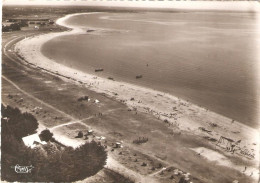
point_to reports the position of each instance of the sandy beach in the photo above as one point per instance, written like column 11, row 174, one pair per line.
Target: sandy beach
column 181, row 116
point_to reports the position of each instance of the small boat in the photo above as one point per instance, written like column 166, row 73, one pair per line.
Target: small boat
column 139, row 76
column 90, row 30
column 99, row 70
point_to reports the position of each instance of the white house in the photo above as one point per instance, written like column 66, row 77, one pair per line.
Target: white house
column 32, row 140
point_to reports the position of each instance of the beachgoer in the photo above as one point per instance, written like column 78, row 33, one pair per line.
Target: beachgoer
column 245, row 169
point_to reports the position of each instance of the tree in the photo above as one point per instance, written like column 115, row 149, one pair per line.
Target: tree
column 20, row 124
column 46, row 135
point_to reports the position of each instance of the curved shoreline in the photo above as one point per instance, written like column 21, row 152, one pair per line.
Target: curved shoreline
column 181, row 115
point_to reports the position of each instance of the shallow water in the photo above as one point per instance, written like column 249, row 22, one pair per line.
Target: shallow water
column 208, row 58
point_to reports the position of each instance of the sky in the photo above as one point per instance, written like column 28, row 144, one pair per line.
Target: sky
column 86, row 2
column 229, row 5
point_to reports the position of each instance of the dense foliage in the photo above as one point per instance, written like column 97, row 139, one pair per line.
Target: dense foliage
column 17, row 123
column 46, row 135
column 16, row 26
column 11, row 27
column 51, row 162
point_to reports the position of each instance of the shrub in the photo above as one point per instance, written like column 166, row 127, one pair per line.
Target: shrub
column 46, row 135
column 140, row 140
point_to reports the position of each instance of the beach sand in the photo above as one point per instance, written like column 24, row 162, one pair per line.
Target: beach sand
column 182, row 116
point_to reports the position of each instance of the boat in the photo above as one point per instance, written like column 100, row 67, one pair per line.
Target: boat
column 139, row 76
column 99, row 70
column 90, row 30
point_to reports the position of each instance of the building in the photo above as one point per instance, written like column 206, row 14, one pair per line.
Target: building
column 32, row 140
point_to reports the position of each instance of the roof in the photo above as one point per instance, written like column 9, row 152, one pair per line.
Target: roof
column 29, row 140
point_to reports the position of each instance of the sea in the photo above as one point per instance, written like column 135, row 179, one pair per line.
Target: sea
column 207, row 58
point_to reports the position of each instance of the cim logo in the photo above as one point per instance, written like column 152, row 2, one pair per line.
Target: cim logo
column 22, row 169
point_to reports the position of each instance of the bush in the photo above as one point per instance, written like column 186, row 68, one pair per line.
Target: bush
column 46, row 135
column 83, row 98
column 140, row 140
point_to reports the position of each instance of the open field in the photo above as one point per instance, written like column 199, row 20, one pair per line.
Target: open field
column 53, row 99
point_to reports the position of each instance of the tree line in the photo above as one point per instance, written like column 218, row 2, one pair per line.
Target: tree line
column 14, row 26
